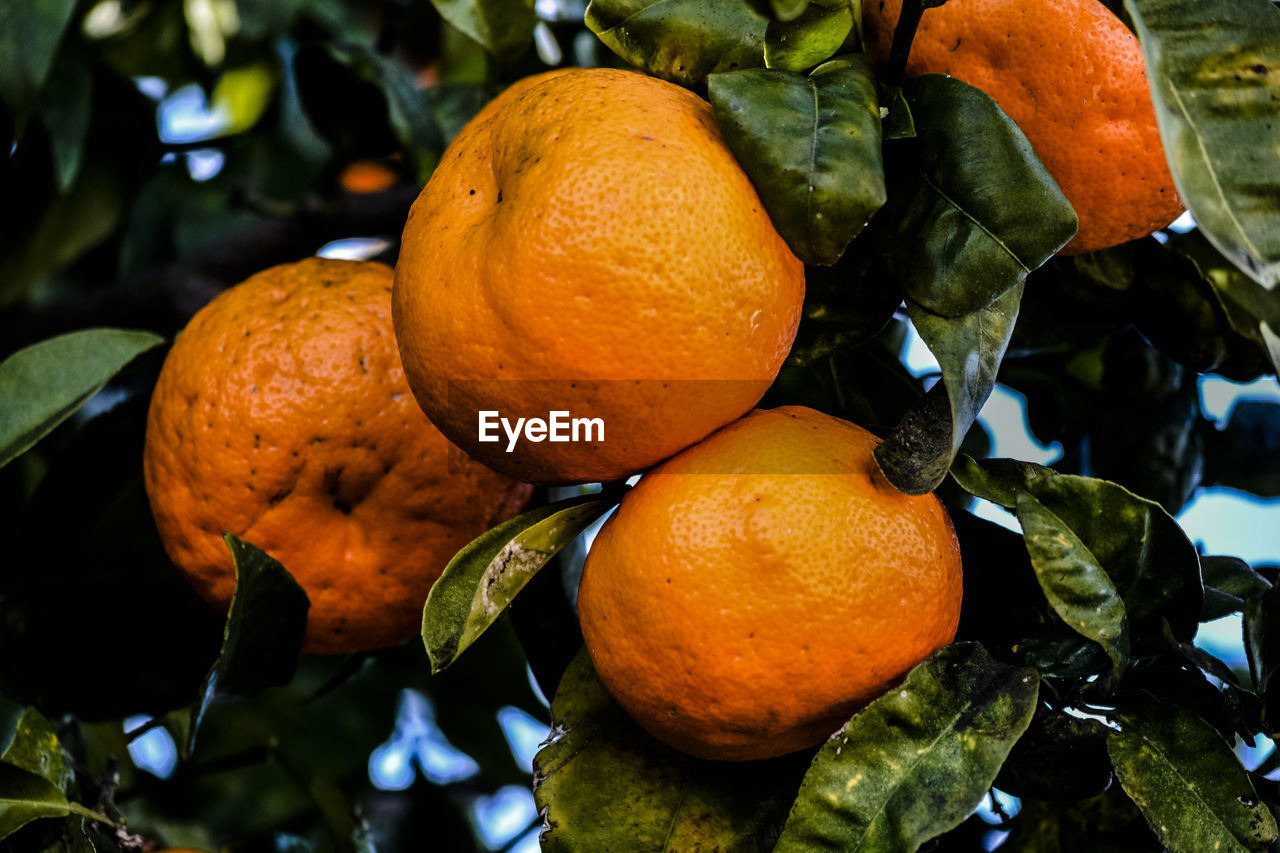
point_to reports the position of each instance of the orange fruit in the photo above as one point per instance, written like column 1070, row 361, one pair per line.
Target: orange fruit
column 1072, row 76
column 588, row 244
column 368, row 176
column 753, row 592
column 282, row 415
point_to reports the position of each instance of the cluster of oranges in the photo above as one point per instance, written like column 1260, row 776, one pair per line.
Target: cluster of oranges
column 589, row 245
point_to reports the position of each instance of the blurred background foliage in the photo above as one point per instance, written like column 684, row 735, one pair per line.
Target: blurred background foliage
column 162, row 150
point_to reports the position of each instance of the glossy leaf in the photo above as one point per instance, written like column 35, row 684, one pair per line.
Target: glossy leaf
column 915, row 762
column 263, row 635
column 1192, row 790
column 1214, row 67
column 30, row 31
column 1076, row 586
column 46, row 383
column 25, row 797
column 28, row 742
column 484, row 577
column 603, row 783
column 1228, row 582
column 811, row 146
column 813, row 36
column 915, row 457
column 1146, row 554
column 503, row 27
column 681, row 40
column 971, row 209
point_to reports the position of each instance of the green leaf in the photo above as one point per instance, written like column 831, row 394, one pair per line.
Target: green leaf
column 29, row 34
column 1060, row 757
column 816, row 34
column 1191, row 789
column 1228, row 581
column 811, row 146
column 916, row 455
column 917, row 761
column 1262, row 647
column 897, row 120
column 971, row 209
column 29, row 742
column 681, row 40
column 46, row 383
column 845, row 305
column 1252, row 432
column 503, row 27
column 1148, row 557
column 1076, row 586
column 603, row 783
column 484, row 577
column 263, row 635
column 25, row 797
column 1214, row 68
column 65, row 110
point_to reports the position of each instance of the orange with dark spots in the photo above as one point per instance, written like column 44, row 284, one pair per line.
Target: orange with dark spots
column 1072, row 76
column 754, row 591
column 588, row 244
column 282, row 415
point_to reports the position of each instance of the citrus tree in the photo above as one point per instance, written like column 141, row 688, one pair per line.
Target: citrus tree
column 999, row 180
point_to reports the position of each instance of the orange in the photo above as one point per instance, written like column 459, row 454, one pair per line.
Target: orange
column 588, row 244
column 368, row 176
column 753, row 592
column 1072, row 76
column 282, row 415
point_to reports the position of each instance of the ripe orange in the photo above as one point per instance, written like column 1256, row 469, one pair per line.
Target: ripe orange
column 751, row 593
column 368, row 176
column 588, row 244
column 282, row 416
column 1072, row 76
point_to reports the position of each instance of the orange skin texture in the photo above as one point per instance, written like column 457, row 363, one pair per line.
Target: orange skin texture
column 589, row 230
column 1073, row 78
column 753, row 592
column 282, row 415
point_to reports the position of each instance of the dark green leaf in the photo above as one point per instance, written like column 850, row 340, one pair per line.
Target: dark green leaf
column 971, row 209
column 1248, row 306
column 28, row 742
column 897, row 122
column 681, row 40
column 1060, row 757
column 263, row 635
column 605, row 784
column 1228, row 581
column 484, row 577
column 1262, row 647
column 46, row 383
column 787, row 10
column 816, row 34
column 811, row 146
column 63, row 230
column 29, row 34
column 1143, row 550
column 844, row 306
column 65, row 111
column 1191, row 789
column 1214, row 67
column 503, row 27
column 1232, row 454
column 1075, row 584
column 25, row 797
column 915, row 762
column 916, row 455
